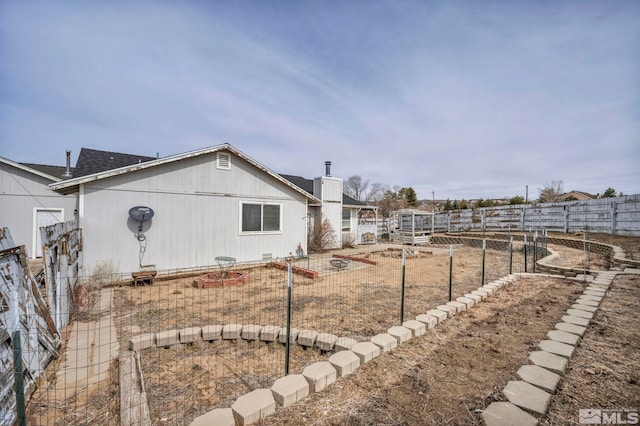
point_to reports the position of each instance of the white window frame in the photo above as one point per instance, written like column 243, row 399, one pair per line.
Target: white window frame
column 347, row 221
column 262, row 204
column 222, row 164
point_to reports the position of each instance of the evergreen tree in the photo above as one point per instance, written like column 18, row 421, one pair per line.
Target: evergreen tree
column 409, row 195
column 448, row 205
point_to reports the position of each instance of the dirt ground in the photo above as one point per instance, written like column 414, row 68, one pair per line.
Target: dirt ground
column 359, row 302
column 604, row 372
column 444, row 377
column 449, row 375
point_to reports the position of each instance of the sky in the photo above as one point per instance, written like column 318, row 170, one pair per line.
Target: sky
column 456, row 99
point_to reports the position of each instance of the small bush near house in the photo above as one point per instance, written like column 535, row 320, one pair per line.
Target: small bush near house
column 348, row 240
column 322, row 238
column 86, row 293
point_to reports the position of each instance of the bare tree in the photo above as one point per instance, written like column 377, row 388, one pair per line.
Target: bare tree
column 375, row 194
column 355, row 187
column 390, row 201
column 363, row 190
column 551, row 192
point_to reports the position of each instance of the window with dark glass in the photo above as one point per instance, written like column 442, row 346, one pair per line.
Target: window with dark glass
column 260, row 217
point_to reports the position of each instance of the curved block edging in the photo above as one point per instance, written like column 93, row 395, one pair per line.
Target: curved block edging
column 322, row 374
column 617, row 255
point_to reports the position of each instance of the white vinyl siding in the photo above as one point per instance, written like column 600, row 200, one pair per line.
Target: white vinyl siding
column 260, row 217
column 198, row 212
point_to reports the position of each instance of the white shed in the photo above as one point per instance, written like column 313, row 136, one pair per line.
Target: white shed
column 210, row 202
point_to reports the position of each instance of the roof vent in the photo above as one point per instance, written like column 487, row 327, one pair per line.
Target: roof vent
column 327, row 166
column 224, row 161
column 67, row 172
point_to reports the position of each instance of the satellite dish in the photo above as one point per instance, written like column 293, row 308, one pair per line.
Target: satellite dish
column 140, row 213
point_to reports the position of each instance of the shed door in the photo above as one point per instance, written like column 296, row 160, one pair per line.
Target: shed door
column 44, row 217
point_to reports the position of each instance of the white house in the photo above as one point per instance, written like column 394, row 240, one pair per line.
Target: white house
column 210, row 202
column 27, row 203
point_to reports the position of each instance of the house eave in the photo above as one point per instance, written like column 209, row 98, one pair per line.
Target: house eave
column 28, row 169
column 360, row 206
column 72, row 185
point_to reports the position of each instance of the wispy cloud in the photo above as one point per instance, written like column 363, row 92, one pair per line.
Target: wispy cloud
column 467, row 99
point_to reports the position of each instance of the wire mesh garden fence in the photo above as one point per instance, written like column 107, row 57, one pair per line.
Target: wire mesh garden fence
column 189, row 366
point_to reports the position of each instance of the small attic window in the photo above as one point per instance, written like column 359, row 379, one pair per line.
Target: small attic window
column 223, row 161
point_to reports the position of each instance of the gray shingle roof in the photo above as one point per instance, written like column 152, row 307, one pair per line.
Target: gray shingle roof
column 92, row 161
column 55, row 171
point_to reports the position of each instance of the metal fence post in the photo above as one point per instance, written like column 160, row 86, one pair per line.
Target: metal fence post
column 18, row 371
column 510, row 255
column 450, row 270
column 404, row 264
column 525, row 252
column 288, row 347
column 584, row 250
column 484, row 248
column 535, row 251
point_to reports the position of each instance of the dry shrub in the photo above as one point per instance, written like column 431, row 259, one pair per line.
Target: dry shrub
column 322, row 238
column 348, row 240
column 85, row 301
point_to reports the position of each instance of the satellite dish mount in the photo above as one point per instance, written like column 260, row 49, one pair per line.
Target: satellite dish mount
column 140, row 214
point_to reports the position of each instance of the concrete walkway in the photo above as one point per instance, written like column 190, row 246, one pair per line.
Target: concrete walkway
column 90, row 349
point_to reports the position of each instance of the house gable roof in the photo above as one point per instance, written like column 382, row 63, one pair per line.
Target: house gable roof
column 47, row 172
column 71, row 185
column 578, row 195
column 91, row 161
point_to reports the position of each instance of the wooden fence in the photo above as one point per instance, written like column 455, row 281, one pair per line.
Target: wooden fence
column 619, row 215
column 29, row 338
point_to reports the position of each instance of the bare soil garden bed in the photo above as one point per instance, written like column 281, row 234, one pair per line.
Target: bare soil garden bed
column 443, row 377
column 358, row 302
column 449, row 375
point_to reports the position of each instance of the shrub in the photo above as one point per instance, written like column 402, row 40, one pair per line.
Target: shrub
column 348, row 240
column 322, row 238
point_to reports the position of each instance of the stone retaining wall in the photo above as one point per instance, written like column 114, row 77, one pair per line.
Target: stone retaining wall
column 615, row 254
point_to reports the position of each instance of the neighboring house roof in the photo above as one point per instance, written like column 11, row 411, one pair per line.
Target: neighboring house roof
column 71, row 185
column 42, row 171
column 307, row 185
column 578, row 195
column 91, row 161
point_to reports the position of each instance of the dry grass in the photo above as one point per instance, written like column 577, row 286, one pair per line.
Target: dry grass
column 359, row 302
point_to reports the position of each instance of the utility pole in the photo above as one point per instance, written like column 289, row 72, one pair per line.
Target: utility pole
column 433, row 201
column 526, row 194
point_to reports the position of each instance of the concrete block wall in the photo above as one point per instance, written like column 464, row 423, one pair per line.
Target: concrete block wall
column 500, row 242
